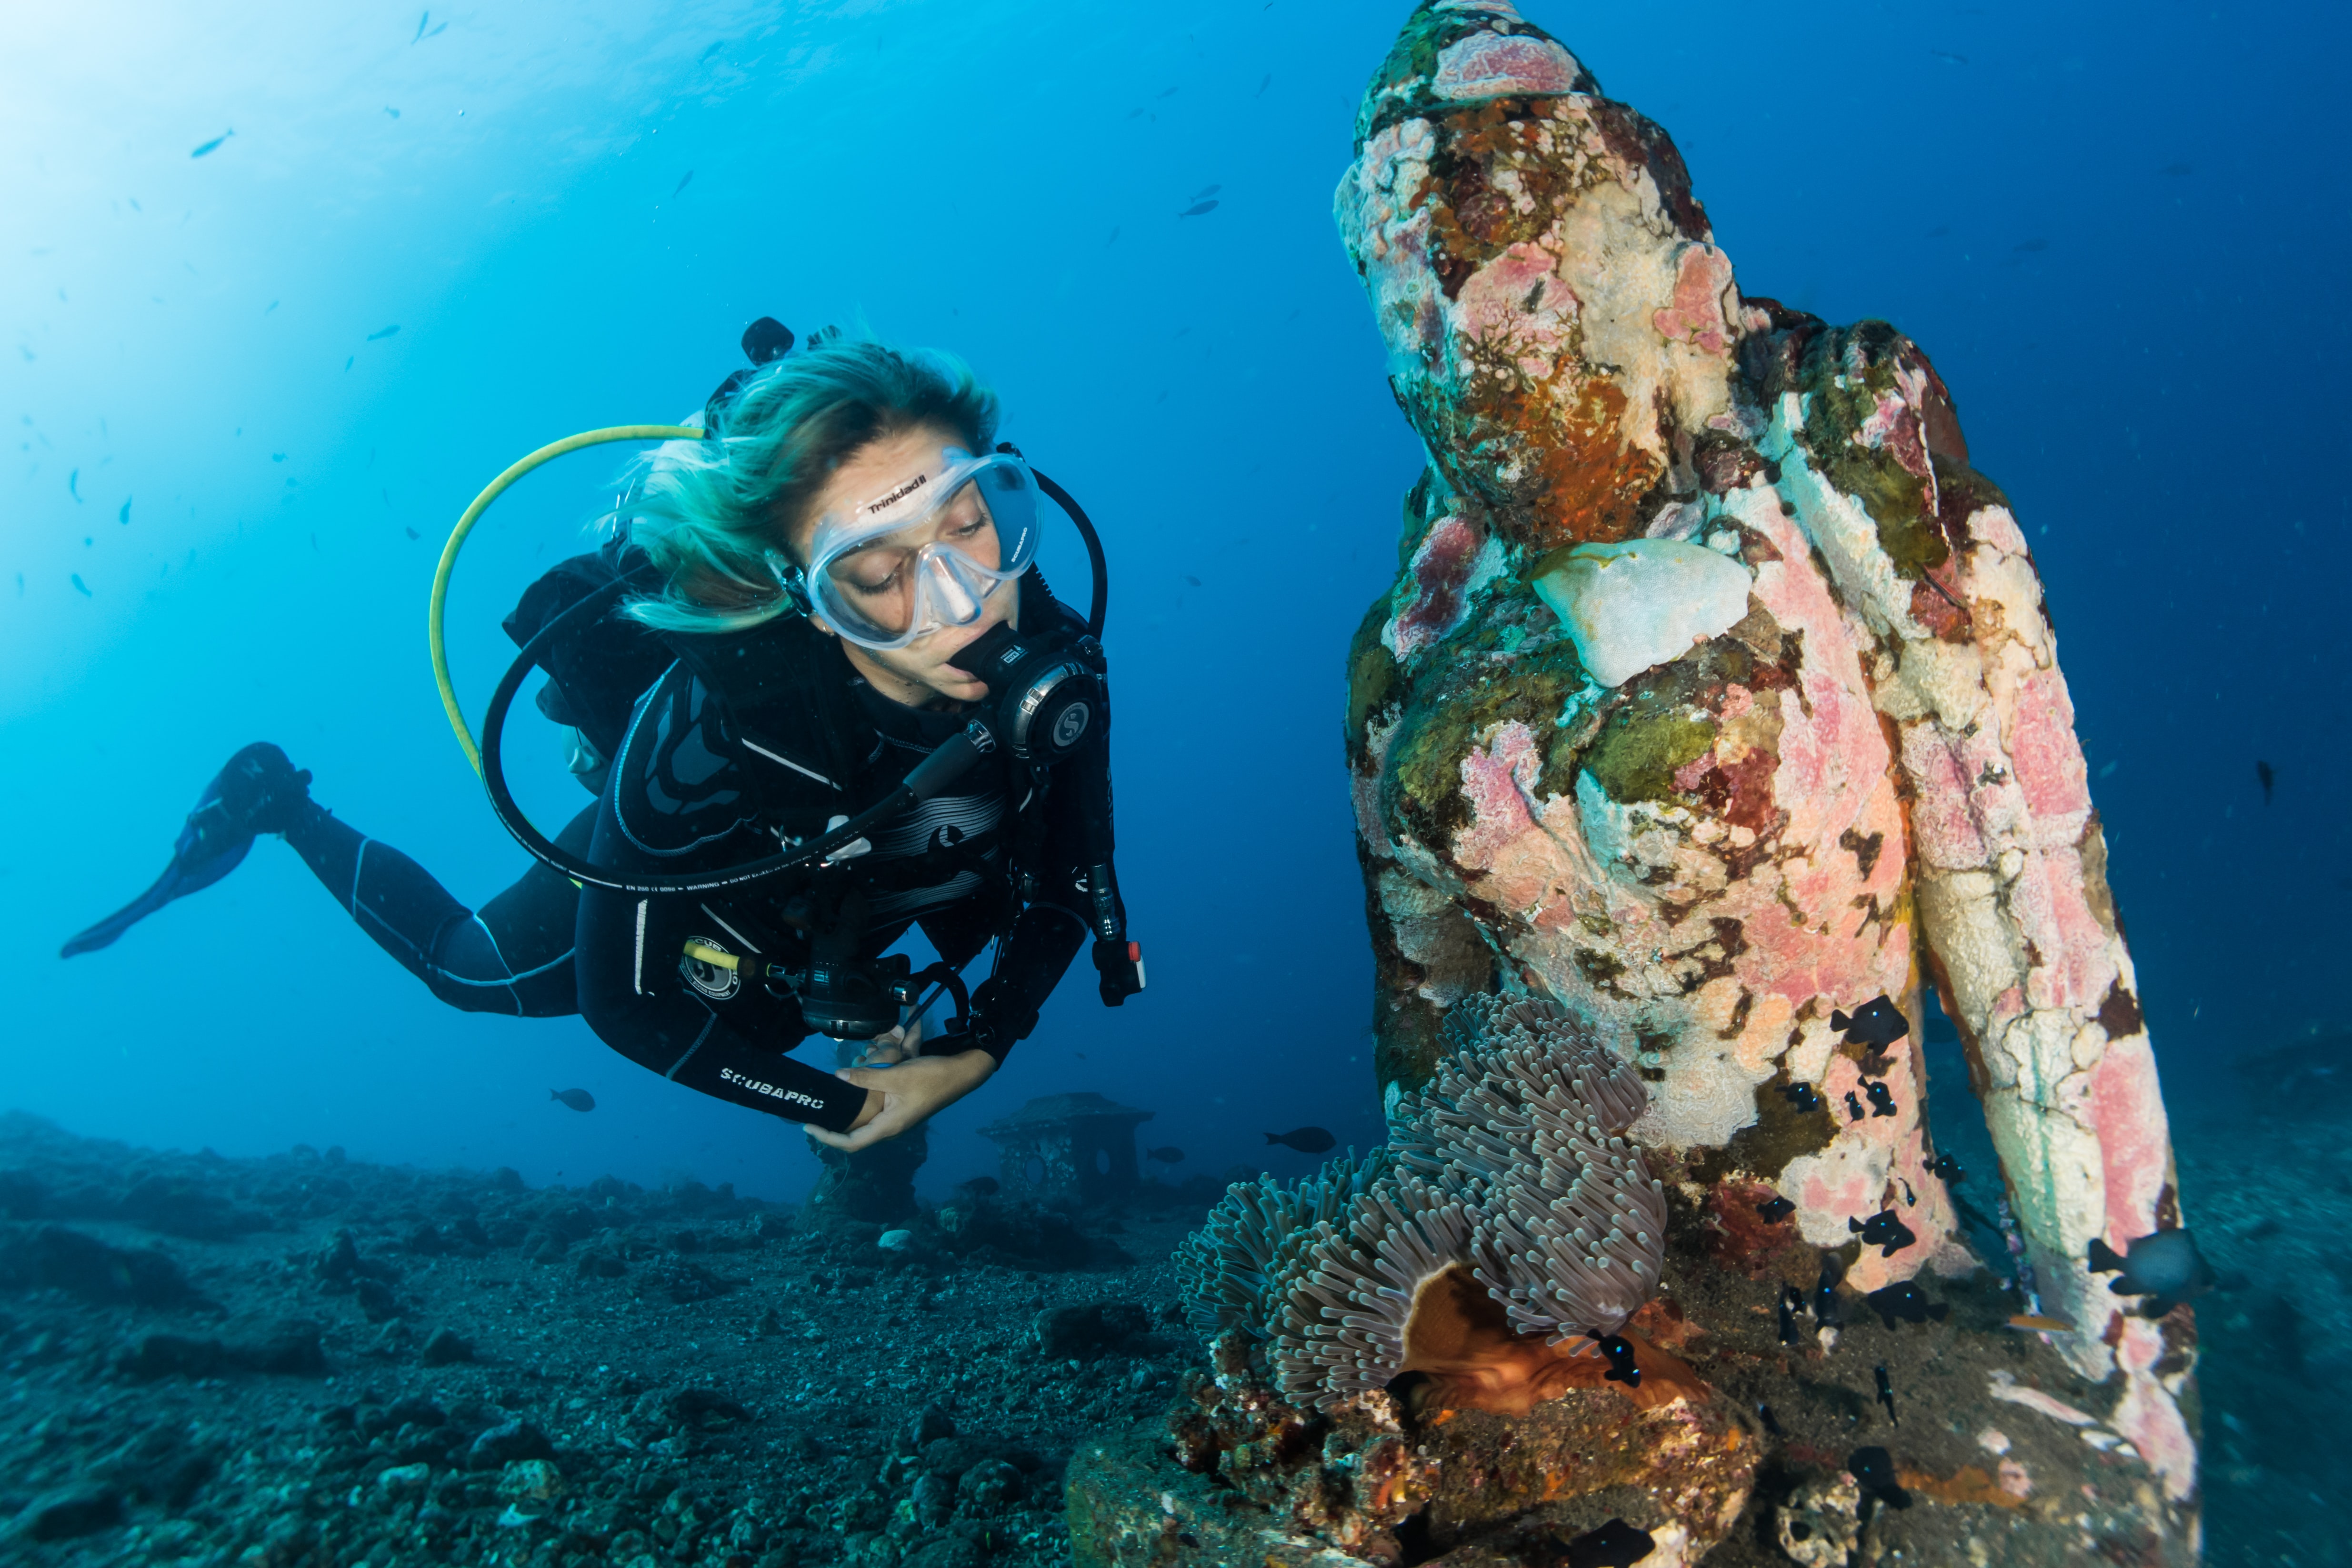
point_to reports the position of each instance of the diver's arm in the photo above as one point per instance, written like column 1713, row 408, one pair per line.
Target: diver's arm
column 633, row 995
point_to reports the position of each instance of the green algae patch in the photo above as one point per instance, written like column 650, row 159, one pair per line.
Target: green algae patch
column 1445, row 716
column 1845, row 375
column 1780, row 1134
column 1372, row 677
column 1640, row 750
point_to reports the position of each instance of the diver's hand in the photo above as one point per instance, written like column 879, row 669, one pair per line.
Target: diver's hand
column 900, row 1097
column 895, row 1046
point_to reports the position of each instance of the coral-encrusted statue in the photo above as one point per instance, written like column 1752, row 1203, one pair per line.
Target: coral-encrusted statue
column 1717, row 695
column 1714, row 702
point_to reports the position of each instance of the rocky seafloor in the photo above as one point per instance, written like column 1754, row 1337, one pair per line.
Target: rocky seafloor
column 307, row 1360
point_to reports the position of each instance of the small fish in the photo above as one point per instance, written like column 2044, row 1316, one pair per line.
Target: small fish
column 1885, row 1391
column 1877, row 1023
column 411, row 533
column 73, row 485
column 578, row 1099
column 1167, row 1155
column 1910, row 1198
column 1803, row 1096
column 1264, row 83
column 379, row 337
column 1306, row 1140
column 1788, row 1334
column 1203, row 192
column 704, row 57
column 1170, row 93
column 1853, row 1106
column 1618, row 1351
column 2028, row 245
column 1776, row 1209
column 1948, row 1169
column 1114, row 237
column 1904, row 1302
column 2167, row 1267
column 1881, row 1099
column 682, row 184
column 1615, row 1544
column 81, row 587
column 2042, row 1322
column 1192, row 580
column 1197, row 208
column 2264, row 776
column 1874, row 1468
column 1825, row 1294
column 123, row 516
column 216, row 141
column 1770, row 1423
column 978, row 1186
column 422, row 34
column 2177, row 170
column 1949, row 58
column 392, row 111
column 1885, row 1228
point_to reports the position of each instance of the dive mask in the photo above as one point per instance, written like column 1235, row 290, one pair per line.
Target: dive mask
column 927, row 553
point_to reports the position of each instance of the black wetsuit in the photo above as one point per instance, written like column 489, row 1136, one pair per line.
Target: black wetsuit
column 511, row 955
column 797, row 741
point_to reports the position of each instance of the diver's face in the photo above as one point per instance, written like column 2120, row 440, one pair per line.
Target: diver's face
column 919, row 672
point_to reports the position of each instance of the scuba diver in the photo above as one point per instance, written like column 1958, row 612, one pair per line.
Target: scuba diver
column 822, row 694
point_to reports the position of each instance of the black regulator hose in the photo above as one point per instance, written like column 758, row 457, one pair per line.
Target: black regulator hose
column 929, row 776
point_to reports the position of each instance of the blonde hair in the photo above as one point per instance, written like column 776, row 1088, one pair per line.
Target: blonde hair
column 717, row 515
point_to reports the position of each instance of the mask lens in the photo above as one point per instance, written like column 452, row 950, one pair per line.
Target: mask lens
column 936, row 566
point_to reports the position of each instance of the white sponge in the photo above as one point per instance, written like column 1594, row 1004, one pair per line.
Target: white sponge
column 1631, row 606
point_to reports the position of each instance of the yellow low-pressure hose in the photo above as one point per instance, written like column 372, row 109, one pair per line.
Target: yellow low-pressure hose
column 496, row 489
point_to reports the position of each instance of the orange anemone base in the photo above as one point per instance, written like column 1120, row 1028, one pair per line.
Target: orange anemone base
column 1462, row 1344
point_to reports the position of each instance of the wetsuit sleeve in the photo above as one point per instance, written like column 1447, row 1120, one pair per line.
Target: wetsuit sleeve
column 635, row 992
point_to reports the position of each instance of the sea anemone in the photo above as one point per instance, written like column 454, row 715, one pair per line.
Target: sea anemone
column 1507, row 1172
column 1252, row 1238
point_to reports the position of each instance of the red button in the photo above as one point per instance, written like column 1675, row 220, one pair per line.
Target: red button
column 1134, row 951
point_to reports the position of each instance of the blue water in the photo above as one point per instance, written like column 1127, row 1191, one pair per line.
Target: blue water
column 2115, row 229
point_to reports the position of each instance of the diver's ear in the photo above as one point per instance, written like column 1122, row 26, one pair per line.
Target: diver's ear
column 818, row 621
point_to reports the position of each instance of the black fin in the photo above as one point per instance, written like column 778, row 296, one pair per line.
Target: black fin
column 2104, row 1259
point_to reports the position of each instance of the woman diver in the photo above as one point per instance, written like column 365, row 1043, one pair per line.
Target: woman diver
column 794, row 761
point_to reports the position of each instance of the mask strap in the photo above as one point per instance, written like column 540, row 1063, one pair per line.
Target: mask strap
column 790, row 577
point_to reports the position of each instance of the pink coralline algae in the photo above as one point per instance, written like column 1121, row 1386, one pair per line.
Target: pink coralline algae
column 1864, row 780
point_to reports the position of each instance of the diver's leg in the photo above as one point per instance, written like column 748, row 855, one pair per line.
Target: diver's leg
column 515, row 956
column 259, row 792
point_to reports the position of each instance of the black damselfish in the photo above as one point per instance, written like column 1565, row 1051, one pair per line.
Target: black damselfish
column 578, row 1099
column 1852, row 1106
column 1825, row 1296
column 1789, row 1317
column 1885, row 1228
column 1615, row 1544
column 1948, row 1169
column 1776, row 1209
column 2166, row 1268
column 1877, row 1023
column 1619, row 1352
column 1905, row 1301
column 1801, row 1095
column 1875, row 1467
column 1886, row 1393
column 1881, row 1099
